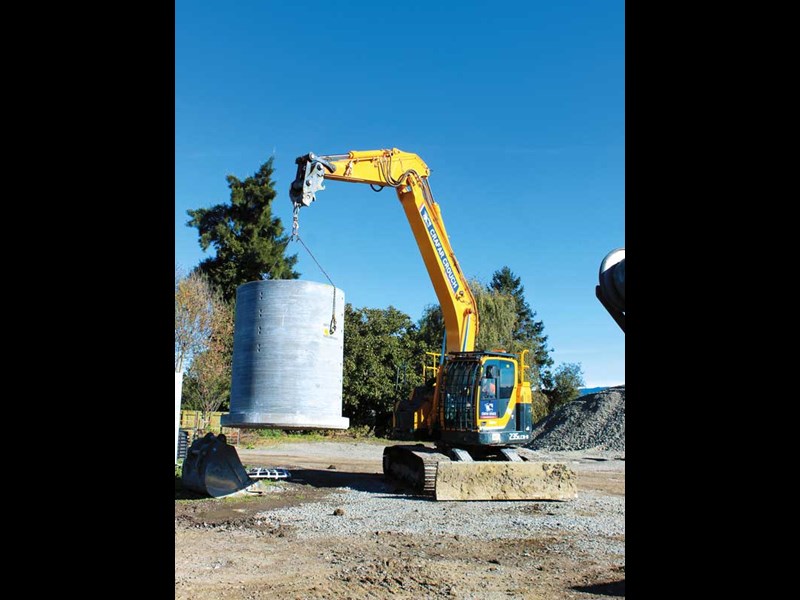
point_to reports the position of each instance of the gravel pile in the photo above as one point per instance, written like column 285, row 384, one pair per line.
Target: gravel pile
column 593, row 422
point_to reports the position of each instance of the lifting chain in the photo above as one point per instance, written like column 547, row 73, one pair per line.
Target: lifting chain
column 296, row 236
column 295, row 222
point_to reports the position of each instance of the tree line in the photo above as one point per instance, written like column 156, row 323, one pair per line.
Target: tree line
column 384, row 349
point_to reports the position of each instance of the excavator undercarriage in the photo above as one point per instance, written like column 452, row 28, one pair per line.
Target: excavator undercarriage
column 514, row 474
column 213, row 468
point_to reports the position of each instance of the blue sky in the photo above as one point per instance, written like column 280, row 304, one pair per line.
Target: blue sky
column 518, row 108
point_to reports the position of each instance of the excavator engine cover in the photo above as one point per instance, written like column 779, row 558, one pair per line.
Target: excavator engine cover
column 213, row 467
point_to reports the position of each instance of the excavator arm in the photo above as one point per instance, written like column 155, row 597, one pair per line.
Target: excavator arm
column 408, row 175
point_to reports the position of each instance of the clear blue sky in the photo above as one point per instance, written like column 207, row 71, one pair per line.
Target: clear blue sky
column 518, row 108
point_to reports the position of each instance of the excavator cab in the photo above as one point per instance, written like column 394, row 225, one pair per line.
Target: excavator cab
column 484, row 402
column 480, row 419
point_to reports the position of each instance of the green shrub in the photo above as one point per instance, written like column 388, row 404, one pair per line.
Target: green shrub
column 361, row 431
column 270, row 433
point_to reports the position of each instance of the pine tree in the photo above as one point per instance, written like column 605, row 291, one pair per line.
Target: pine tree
column 248, row 240
column 528, row 333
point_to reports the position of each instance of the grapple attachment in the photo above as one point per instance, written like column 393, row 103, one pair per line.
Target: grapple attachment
column 213, row 467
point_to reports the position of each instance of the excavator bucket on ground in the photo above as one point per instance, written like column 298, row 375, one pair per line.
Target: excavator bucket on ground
column 213, row 467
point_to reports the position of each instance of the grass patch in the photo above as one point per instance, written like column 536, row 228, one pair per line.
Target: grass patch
column 251, row 439
column 178, row 475
column 270, row 434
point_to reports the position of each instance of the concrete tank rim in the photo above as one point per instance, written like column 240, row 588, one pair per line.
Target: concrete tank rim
column 293, row 282
column 273, row 420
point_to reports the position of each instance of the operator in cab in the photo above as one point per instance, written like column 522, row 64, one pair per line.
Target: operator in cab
column 488, row 386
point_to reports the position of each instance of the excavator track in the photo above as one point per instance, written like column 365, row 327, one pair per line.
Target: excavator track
column 433, row 474
column 415, row 466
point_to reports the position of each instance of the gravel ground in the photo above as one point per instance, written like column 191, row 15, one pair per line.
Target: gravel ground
column 339, row 530
column 363, row 512
column 595, row 421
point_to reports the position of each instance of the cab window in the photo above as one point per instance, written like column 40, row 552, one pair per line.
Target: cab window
column 507, row 378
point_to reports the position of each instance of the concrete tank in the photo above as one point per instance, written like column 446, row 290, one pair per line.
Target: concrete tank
column 287, row 364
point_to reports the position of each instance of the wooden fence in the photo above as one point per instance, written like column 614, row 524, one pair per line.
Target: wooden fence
column 193, row 421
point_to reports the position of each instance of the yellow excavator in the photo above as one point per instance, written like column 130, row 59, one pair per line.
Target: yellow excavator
column 478, row 409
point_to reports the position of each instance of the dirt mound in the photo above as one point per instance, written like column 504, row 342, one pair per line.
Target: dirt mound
column 592, row 422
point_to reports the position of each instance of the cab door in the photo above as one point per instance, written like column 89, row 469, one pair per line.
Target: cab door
column 496, row 390
column 458, row 394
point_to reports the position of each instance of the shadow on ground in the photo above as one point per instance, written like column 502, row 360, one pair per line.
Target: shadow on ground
column 374, row 483
column 615, row 588
column 183, row 494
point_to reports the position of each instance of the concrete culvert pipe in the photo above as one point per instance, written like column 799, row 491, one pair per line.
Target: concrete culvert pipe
column 287, row 359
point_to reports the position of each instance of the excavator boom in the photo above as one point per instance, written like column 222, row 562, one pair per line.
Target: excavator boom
column 408, row 174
